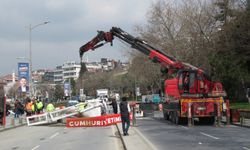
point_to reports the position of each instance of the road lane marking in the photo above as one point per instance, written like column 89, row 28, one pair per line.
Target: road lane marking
column 216, row 138
column 151, row 146
column 36, row 147
column 245, row 148
column 54, row 135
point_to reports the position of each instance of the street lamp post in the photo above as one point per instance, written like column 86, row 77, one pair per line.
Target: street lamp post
column 30, row 50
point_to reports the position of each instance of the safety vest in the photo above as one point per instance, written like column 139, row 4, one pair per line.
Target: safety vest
column 39, row 105
column 81, row 106
column 50, row 107
column 29, row 106
column 33, row 107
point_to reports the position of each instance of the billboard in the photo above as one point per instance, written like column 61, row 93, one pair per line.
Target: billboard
column 23, row 77
column 67, row 89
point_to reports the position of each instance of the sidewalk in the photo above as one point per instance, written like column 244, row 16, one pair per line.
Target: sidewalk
column 135, row 140
column 12, row 122
column 244, row 123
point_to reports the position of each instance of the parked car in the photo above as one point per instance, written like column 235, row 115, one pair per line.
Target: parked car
column 72, row 103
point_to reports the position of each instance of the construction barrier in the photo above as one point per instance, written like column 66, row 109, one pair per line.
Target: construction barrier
column 100, row 121
column 38, row 119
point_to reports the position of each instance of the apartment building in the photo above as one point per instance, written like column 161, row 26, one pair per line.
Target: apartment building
column 58, row 75
column 94, row 67
column 71, row 69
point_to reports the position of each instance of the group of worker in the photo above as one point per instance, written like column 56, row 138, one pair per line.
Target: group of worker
column 36, row 106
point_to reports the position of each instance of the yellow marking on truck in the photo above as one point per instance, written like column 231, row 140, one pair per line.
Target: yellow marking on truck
column 220, row 100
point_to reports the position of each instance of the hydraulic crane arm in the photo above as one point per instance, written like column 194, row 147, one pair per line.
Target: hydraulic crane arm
column 176, row 85
column 96, row 42
column 154, row 54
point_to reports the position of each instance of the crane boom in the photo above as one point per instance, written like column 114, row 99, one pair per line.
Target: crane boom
column 138, row 44
column 169, row 63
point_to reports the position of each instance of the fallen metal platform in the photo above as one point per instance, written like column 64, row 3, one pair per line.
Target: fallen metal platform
column 92, row 109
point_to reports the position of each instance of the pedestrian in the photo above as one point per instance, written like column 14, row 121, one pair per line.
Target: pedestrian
column 17, row 108
column 124, row 111
column 248, row 94
column 39, row 106
column 20, row 108
column 28, row 107
column 114, row 105
column 50, row 107
column 186, row 83
column 81, row 106
column 8, row 108
column 34, row 106
column 104, row 107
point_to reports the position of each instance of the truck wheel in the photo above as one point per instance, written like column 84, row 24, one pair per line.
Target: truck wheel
column 211, row 120
column 183, row 120
column 206, row 120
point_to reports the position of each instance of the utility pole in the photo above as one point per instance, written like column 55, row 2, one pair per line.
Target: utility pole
column 30, row 53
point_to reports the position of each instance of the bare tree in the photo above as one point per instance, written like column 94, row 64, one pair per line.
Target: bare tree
column 145, row 74
column 184, row 30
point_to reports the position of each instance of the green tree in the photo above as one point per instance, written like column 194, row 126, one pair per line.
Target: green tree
column 183, row 30
column 232, row 58
column 145, row 74
column 73, row 87
column 59, row 93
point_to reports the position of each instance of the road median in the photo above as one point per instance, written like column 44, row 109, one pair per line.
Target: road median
column 135, row 140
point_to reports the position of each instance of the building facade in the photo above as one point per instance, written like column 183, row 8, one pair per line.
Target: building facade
column 71, row 70
column 58, row 75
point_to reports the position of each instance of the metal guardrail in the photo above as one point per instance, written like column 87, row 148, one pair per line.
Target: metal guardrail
column 244, row 113
column 240, row 117
column 149, row 106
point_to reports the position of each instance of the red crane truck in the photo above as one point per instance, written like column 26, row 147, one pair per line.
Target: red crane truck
column 189, row 94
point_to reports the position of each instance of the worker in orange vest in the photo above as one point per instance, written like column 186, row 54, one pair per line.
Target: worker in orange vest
column 28, row 107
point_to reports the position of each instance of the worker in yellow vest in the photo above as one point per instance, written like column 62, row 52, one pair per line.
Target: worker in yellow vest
column 50, row 107
column 34, row 107
column 39, row 106
column 81, row 106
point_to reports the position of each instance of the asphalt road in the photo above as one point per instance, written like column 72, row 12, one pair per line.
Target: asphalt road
column 167, row 136
column 162, row 134
column 60, row 138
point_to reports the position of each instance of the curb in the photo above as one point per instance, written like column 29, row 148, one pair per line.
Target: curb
column 123, row 143
column 239, row 125
column 16, row 124
column 9, row 128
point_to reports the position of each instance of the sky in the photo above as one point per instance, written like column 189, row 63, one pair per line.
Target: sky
column 72, row 24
